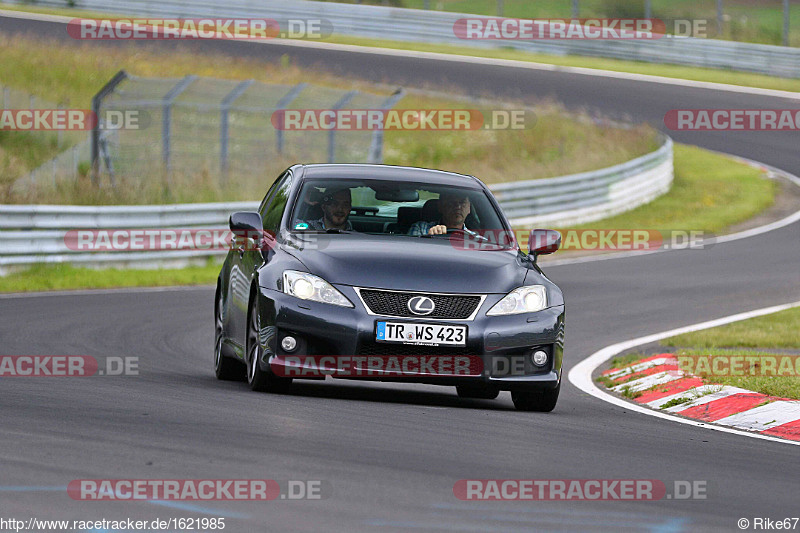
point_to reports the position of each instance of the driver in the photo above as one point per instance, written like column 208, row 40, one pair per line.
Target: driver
column 454, row 207
column 336, row 205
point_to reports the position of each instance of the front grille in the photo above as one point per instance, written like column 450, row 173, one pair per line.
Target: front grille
column 455, row 307
column 380, row 348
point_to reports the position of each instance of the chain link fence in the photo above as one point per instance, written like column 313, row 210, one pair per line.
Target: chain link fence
column 222, row 127
column 70, row 163
column 75, row 144
column 67, row 166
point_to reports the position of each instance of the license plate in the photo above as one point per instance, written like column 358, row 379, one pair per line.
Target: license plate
column 429, row 334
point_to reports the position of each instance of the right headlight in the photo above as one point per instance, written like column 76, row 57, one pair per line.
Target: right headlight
column 310, row 287
column 528, row 299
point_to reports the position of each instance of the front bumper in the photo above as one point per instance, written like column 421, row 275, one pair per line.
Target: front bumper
column 503, row 344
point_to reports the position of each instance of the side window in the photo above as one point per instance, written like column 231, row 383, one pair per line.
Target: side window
column 272, row 209
column 271, row 191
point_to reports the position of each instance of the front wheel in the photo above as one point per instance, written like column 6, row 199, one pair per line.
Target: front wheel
column 259, row 380
column 542, row 402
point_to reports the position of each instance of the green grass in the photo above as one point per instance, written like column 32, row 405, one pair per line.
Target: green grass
column 710, row 193
column 749, row 337
column 748, row 20
column 621, row 361
column 784, row 386
column 704, row 176
column 626, row 392
column 778, row 330
column 554, row 143
column 653, row 69
column 64, row 277
column 605, row 381
column 675, row 401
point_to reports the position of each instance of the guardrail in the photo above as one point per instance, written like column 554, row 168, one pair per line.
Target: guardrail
column 31, row 234
column 588, row 196
column 416, row 25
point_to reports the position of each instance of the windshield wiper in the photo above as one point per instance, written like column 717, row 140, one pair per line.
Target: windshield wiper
column 449, row 233
column 317, row 231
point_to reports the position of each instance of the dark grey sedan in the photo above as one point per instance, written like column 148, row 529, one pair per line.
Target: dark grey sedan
column 392, row 274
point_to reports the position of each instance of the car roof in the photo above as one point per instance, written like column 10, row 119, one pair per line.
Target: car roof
column 389, row 172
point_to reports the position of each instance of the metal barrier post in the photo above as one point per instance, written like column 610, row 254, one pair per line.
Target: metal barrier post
column 223, row 123
column 97, row 101
column 60, row 134
column 166, row 117
column 376, row 147
column 74, row 162
column 332, row 135
column 282, row 104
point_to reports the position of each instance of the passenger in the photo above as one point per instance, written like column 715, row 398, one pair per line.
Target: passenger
column 454, row 207
column 336, row 205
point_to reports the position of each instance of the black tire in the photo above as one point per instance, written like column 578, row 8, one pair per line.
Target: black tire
column 477, row 392
column 259, row 380
column 226, row 368
column 541, row 402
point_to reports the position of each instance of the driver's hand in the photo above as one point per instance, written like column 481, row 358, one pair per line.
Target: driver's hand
column 441, row 229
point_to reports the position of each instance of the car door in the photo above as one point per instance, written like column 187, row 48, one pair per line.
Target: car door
column 250, row 253
column 239, row 282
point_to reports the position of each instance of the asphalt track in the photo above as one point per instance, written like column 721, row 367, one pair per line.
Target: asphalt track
column 389, row 455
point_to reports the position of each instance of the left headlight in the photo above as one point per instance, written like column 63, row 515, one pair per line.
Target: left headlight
column 310, row 287
column 521, row 300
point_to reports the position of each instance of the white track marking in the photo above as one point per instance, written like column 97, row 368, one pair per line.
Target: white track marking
column 647, row 382
column 778, row 224
column 581, row 374
column 765, row 417
column 638, row 367
column 702, row 400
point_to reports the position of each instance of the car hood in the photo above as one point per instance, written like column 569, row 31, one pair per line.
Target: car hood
column 407, row 263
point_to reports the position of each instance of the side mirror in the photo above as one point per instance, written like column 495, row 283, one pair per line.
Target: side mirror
column 246, row 224
column 543, row 242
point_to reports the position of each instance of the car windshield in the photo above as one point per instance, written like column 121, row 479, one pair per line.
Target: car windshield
column 381, row 207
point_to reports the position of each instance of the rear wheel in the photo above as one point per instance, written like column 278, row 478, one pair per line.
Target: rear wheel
column 542, row 402
column 477, row 392
column 259, row 380
column 225, row 368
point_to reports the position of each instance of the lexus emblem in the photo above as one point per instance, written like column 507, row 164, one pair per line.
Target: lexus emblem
column 421, row 305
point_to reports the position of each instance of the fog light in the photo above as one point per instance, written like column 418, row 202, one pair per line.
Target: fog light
column 289, row 343
column 539, row 357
